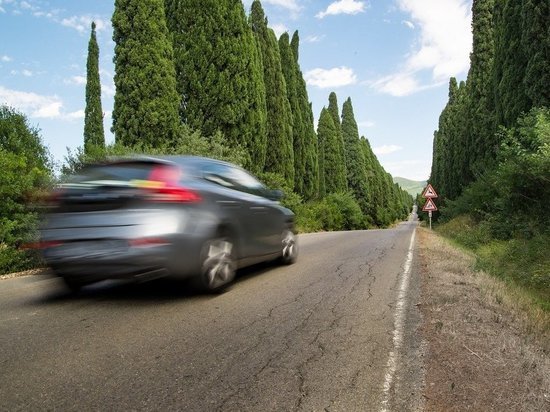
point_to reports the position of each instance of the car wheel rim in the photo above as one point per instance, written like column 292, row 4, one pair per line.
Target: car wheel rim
column 289, row 245
column 218, row 265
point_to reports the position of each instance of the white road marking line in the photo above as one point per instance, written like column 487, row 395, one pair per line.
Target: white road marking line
column 399, row 325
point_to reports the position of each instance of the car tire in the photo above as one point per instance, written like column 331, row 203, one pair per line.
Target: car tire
column 218, row 265
column 289, row 247
column 73, row 285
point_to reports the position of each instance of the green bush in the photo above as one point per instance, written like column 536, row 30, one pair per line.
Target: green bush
column 188, row 143
column 26, row 173
column 513, row 200
column 504, row 216
column 338, row 211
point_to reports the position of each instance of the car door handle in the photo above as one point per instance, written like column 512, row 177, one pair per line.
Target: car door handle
column 230, row 204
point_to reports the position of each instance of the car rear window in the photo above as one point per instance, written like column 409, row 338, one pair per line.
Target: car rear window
column 126, row 172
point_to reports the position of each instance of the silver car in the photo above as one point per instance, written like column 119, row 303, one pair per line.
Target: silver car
column 144, row 218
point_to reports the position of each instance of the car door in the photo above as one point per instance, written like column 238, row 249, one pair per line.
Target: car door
column 253, row 215
column 265, row 219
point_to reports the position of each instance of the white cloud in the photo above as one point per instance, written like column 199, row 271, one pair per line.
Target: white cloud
column 314, row 39
column 336, row 77
column 79, row 80
column 84, row 23
column 386, row 149
column 33, row 104
column 287, row 4
column 6, row 59
column 107, row 90
column 408, row 24
column 26, row 6
column 343, row 7
column 79, row 114
column 399, row 84
column 279, row 29
column 445, row 42
column 27, row 73
column 410, row 169
column 367, row 123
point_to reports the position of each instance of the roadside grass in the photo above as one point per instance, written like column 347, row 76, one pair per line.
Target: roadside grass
column 523, row 265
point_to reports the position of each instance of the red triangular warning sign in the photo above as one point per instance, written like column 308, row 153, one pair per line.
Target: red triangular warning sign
column 429, row 192
column 429, row 206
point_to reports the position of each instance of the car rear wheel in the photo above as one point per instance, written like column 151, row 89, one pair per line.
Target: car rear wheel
column 73, row 285
column 218, row 264
column 289, row 247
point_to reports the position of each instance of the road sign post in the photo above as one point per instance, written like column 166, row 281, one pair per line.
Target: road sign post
column 429, row 194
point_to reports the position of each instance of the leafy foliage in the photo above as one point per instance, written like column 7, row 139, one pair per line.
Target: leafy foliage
column 26, row 172
column 280, row 156
column 146, row 102
column 93, row 114
column 290, row 74
column 341, row 170
column 505, row 215
column 188, row 142
column 355, row 157
column 220, row 73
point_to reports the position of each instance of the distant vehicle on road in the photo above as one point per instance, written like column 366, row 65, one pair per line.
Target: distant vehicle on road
column 179, row 216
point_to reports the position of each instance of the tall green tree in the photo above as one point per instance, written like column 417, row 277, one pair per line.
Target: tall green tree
column 220, row 73
column 94, row 136
column 325, row 133
column 309, row 145
column 331, row 179
column 280, row 156
column 355, row 157
column 510, row 63
column 290, row 74
column 535, row 42
column 146, row 101
column 480, row 119
column 340, row 168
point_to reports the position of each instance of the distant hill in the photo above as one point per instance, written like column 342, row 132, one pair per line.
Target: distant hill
column 412, row 186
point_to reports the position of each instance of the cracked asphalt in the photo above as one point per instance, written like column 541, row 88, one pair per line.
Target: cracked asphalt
column 314, row 336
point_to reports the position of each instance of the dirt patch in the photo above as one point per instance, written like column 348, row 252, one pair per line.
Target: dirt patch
column 31, row 272
column 483, row 354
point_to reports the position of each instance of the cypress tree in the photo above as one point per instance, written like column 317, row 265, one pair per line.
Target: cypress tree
column 510, row 63
column 220, row 73
column 280, row 156
column 335, row 181
column 289, row 72
column 146, row 102
column 449, row 141
column 326, row 132
column 309, row 145
column 480, row 117
column 94, row 135
column 340, row 168
column 355, row 158
column 535, row 42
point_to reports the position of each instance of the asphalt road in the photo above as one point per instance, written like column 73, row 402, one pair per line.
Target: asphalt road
column 319, row 335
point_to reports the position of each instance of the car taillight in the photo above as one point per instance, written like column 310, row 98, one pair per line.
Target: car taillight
column 163, row 186
column 148, row 241
column 173, row 194
column 46, row 244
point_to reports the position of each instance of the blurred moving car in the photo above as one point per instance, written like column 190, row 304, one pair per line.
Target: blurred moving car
column 179, row 216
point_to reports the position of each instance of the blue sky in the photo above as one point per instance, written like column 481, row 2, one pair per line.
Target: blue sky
column 393, row 58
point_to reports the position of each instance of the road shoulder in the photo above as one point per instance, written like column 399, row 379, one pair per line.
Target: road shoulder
column 481, row 354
